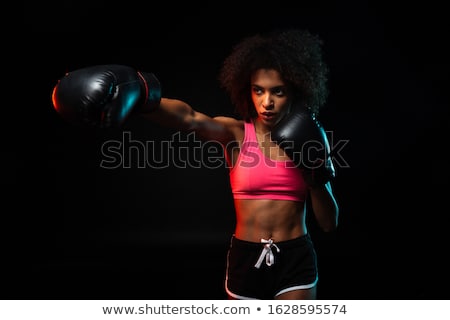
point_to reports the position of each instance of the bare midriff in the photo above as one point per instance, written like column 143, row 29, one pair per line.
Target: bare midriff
column 278, row 220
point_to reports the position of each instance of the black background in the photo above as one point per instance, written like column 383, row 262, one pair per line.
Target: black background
column 74, row 230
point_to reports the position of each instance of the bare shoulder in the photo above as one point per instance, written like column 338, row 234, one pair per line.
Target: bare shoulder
column 230, row 123
column 234, row 126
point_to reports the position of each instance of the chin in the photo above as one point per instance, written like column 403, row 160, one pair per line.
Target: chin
column 268, row 122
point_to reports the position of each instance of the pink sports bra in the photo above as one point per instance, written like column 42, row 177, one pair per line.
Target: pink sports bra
column 256, row 176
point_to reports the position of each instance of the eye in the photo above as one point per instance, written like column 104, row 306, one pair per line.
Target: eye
column 278, row 91
column 257, row 90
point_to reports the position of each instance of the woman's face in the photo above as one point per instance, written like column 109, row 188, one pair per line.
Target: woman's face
column 270, row 96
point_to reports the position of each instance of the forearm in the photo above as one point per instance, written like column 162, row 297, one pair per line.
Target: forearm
column 325, row 207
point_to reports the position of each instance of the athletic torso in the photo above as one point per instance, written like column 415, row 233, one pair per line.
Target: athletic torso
column 260, row 217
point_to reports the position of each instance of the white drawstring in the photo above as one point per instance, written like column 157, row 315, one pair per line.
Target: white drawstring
column 267, row 253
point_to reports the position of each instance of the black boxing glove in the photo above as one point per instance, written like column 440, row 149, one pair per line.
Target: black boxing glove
column 105, row 95
column 303, row 138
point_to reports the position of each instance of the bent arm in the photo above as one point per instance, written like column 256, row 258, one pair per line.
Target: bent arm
column 324, row 206
column 179, row 115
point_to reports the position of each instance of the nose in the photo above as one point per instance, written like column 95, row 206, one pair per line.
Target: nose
column 267, row 102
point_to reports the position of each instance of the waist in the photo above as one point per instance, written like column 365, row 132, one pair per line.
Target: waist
column 293, row 242
column 276, row 219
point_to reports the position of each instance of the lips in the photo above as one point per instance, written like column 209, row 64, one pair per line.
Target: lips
column 268, row 115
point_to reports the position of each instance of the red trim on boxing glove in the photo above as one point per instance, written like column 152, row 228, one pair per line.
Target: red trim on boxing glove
column 152, row 88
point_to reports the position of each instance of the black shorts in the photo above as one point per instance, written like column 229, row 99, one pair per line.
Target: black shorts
column 292, row 266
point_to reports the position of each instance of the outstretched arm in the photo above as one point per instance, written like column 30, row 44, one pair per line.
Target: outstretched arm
column 107, row 95
column 179, row 115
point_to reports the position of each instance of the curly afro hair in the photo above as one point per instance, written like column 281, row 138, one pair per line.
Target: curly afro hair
column 295, row 54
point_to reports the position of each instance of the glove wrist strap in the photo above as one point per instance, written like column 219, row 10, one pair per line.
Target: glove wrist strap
column 152, row 91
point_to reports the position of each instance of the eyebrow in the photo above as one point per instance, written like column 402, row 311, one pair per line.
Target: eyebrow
column 272, row 88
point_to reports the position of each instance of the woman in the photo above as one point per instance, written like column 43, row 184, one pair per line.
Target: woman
column 264, row 76
column 271, row 255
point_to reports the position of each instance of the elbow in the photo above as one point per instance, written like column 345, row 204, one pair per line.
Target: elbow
column 329, row 227
column 331, row 224
column 326, row 211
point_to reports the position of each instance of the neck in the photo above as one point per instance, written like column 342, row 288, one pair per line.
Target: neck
column 262, row 127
